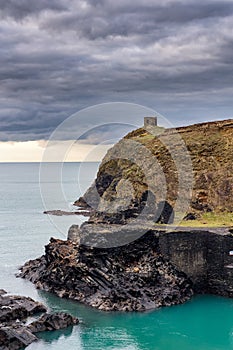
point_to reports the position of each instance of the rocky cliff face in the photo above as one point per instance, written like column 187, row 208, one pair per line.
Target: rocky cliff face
column 159, row 163
column 155, row 269
column 144, row 176
column 134, row 277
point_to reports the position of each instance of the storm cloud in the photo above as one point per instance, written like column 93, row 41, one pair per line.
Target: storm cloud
column 58, row 56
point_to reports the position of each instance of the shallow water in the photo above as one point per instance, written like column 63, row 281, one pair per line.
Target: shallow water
column 204, row 323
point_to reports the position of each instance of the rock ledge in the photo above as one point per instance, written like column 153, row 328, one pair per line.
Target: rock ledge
column 14, row 310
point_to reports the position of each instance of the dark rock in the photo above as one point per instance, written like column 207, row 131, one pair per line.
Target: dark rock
column 14, row 310
column 195, row 160
column 74, row 233
column 145, row 207
column 50, row 322
column 58, row 212
column 17, row 307
column 90, row 200
column 190, row 216
column 166, row 213
column 149, row 270
column 147, row 203
column 81, row 203
column 15, row 337
column 201, row 207
column 133, row 277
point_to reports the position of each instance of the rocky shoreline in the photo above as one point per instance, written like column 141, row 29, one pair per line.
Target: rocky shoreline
column 134, row 268
column 120, row 259
column 133, row 277
column 58, row 212
column 15, row 332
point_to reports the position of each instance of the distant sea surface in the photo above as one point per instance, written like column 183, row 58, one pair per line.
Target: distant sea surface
column 204, row 323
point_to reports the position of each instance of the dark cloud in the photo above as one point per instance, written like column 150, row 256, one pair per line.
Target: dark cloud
column 57, row 57
column 101, row 19
column 107, row 133
column 23, row 8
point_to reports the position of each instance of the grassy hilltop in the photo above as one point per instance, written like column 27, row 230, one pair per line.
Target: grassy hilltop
column 165, row 158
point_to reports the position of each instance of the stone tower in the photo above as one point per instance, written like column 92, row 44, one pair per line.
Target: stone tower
column 150, row 121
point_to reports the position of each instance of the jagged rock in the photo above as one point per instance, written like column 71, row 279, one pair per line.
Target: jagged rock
column 166, row 213
column 50, row 322
column 190, row 216
column 16, row 337
column 148, row 270
column 90, row 199
column 14, row 310
column 58, row 212
column 16, row 307
column 209, row 147
column 74, row 233
column 132, row 277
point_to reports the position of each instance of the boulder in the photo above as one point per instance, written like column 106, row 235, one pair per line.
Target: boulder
column 74, row 233
column 50, row 322
column 14, row 310
column 15, row 337
column 14, row 307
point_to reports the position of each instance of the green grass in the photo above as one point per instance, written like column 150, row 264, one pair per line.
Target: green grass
column 147, row 135
column 210, row 220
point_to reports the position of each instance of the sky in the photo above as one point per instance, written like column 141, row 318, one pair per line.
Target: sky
column 60, row 56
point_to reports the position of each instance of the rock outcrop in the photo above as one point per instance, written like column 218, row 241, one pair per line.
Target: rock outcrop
column 142, row 161
column 52, row 322
column 134, row 277
column 119, row 260
column 17, row 307
column 153, row 269
column 58, row 212
column 14, row 311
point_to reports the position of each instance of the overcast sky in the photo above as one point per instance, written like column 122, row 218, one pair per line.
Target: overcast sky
column 59, row 56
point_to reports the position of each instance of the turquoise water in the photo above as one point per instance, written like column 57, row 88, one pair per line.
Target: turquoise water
column 204, row 323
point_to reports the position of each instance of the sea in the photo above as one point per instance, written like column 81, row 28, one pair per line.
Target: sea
column 203, row 323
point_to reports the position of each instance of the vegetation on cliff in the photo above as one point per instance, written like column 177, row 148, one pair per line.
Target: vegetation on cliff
column 139, row 267
column 145, row 160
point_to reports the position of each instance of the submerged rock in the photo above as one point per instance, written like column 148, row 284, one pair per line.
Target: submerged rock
column 15, row 337
column 13, row 307
column 14, row 310
column 51, row 322
column 58, row 212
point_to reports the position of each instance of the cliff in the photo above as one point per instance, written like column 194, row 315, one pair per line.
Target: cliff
column 191, row 165
column 134, row 277
column 154, row 269
column 120, row 259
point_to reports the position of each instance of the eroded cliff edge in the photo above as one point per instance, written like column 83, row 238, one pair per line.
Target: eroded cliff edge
column 157, row 269
column 119, row 259
column 128, row 167
column 133, row 277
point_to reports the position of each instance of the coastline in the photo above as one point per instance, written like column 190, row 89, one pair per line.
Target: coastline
column 169, row 266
